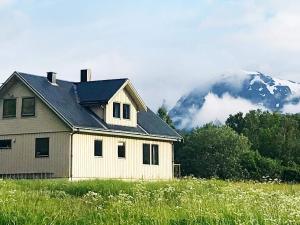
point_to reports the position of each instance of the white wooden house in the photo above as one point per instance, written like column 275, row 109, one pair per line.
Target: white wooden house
column 80, row 130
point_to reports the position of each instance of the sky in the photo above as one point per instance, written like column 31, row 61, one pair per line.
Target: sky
column 165, row 47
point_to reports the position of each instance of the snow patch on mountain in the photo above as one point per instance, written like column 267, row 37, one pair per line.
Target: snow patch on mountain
column 235, row 93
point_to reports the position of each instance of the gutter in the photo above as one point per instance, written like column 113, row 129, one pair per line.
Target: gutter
column 127, row 134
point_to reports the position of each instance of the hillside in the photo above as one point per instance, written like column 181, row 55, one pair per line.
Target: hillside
column 176, row 202
column 234, row 93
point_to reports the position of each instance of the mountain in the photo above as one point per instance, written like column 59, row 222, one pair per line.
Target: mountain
column 232, row 94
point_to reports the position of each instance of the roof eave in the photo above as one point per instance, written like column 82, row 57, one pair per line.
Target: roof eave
column 126, row 133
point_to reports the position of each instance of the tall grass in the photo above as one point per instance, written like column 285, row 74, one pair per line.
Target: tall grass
column 188, row 201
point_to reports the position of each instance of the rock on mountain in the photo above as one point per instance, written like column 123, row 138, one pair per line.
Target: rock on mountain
column 254, row 88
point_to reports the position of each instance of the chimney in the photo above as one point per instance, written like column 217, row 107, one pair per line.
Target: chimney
column 51, row 76
column 85, row 75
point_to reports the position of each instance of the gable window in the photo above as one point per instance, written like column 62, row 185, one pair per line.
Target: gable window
column 5, row 144
column 9, row 108
column 154, row 155
column 146, row 154
column 98, row 148
column 28, row 106
column 41, row 147
column 116, row 110
column 126, row 111
column 121, row 150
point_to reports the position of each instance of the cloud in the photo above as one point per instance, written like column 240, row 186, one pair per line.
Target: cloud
column 167, row 48
column 5, row 2
column 219, row 108
column 291, row 108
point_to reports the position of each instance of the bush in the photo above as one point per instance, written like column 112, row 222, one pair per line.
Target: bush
column 291, row 174
column 257, row 167
column 212, row 151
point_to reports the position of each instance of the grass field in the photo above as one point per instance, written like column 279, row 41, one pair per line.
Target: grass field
column 177, row 202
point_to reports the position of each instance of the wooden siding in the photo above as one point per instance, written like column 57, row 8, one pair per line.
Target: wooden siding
column 21, row 157
column 44, row 120
column 85, row 165
column 121, row 97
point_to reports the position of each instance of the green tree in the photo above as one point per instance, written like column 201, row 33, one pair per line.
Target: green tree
column 212, row 151
column 162, row 112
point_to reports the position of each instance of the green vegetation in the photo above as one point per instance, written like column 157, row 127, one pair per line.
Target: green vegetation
column 252, row 146
column 188, row 201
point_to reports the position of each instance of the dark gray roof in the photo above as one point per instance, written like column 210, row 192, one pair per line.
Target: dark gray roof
column 98, row 91
column 65, row 98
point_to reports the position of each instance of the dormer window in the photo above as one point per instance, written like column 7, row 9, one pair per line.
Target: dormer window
column 116, row 110
column 126, row 111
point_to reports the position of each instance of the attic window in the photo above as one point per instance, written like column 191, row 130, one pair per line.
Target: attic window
column 116, row 110
column 9, row 108
column 28, row 106
column 126, row 111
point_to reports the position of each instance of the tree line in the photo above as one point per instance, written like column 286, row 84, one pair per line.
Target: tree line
column 256, row 146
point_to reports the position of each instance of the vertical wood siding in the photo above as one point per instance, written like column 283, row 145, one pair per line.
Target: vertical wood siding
column 86, row 165
column 21, row 157
column 122, row 97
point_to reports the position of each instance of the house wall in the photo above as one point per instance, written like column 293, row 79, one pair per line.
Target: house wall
column 86, row 165
column 122, row 97
column 43, row 121
column 23, row 131
column 21, row 157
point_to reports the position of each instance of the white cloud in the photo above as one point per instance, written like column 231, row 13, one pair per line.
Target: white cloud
column 291, row 108
column 219, row 108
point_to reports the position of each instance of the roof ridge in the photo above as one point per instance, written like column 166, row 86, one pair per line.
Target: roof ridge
column 76, row 82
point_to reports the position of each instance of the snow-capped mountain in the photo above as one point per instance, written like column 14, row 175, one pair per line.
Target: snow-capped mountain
column 232, row 94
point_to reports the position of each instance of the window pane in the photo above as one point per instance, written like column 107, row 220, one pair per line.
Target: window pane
column 121, row 150
column 28, row 106
column 154, row 156
column 126, row 111
column 9, row 108
column 41, row 147
column 146, row 154
column 5, row 144
column 98, row 148
column 116, row 110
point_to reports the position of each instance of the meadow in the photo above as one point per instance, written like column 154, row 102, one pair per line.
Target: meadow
column 187, row 201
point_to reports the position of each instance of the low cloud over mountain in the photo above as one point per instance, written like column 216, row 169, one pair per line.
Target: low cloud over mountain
column 233, row 94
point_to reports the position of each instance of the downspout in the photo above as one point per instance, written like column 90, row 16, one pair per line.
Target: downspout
column 71, row 155
column 173, row 160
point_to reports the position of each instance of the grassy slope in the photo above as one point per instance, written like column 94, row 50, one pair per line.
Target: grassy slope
column 177, row 202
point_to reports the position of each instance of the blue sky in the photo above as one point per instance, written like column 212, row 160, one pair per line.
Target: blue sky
column 165, row 47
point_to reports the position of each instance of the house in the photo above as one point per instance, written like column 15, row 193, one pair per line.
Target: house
column 51, row 128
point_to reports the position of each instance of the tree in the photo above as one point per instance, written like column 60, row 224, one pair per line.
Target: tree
column 212, row 151
column 162, row 112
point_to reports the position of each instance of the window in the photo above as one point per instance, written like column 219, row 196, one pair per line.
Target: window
column 98, row 148
column 5, row 144
column 9, row 108
column 150, row 157
column 126, row 111
column 116, row 110
column 146, row 154
column 154, row 155
column 28, row 106
column 121, row 150
column 41, row 147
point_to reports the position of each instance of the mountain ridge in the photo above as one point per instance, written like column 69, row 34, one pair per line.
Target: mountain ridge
column 260, row 90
